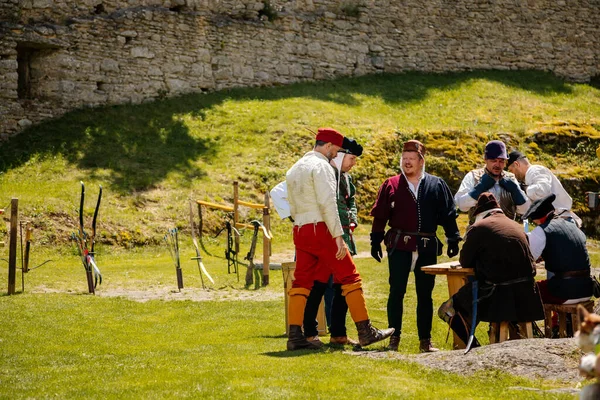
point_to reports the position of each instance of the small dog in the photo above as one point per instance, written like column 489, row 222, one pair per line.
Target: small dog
column 588, row 339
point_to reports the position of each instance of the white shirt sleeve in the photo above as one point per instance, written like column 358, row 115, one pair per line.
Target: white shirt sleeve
column 537, row 242
column 462, row 198
column 280, row 200
column 539, row 182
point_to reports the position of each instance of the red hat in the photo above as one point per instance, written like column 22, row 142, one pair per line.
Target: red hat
column 330, row 135
column 414, row 145
column 486, row 201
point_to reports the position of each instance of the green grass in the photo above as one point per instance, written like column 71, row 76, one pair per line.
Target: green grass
column 57, row 341
column 151, row 158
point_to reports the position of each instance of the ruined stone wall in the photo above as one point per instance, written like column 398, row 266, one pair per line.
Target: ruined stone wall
column 59, row 55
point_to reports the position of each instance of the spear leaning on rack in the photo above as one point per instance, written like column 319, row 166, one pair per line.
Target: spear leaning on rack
column 198, row 257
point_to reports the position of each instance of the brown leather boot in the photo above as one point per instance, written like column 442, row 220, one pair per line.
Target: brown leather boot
column 394, row 343
column 343, row 340
column 315, row 339
column 297, row 341
column 425, row 346
column 368, row 334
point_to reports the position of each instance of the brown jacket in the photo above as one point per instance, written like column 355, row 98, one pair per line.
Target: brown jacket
column 498, row 250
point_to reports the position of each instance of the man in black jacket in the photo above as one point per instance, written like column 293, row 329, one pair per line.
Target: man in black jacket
column 562, row 246
column 413, row 204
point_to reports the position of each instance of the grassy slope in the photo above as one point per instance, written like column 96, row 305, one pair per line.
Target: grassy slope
column 150, row 158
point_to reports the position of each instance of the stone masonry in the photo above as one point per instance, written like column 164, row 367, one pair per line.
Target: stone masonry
column 58, row 55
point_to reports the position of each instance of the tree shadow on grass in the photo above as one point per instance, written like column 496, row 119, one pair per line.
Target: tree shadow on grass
column 139, row 147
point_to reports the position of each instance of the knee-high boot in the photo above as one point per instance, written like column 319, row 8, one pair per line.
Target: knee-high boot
column 367, row 333
column 296, row 339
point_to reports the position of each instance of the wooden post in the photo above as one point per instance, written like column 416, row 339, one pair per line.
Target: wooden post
column 200, row 222
column 266, row 241
column 12, row 252
column 236, row 215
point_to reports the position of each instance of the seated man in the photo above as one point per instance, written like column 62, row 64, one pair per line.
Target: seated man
column 562, row 246
column 496, row 248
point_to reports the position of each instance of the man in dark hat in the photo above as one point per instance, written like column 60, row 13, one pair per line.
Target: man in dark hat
column 413, row 203
column 312, row 189
column 496, row 248
column 492, row 178
column 562, row 246
column 324, row 285
column 539, row 182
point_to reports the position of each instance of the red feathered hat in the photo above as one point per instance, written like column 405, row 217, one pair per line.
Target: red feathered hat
column 330, row 135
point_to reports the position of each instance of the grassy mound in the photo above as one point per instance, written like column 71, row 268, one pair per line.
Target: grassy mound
column 151, row 158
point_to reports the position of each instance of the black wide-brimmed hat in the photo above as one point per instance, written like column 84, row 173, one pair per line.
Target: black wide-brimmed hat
column 486, row 201
column 351, row 146
column 540, row 208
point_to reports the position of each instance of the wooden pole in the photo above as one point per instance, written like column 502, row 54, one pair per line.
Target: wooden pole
column 12, row 252
column 266, row 241
column 236, row 214
column 200, row 222
column 213, row 205
column 251, row 205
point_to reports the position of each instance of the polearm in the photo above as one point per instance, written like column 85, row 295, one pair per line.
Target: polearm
column 230, row 254
column 173, row 245
column 178, row 264
column 198, row 257
column 92, row 254
column 82, row 241
column 250, row 255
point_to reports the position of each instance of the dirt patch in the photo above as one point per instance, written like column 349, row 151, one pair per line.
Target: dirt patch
column 226, row 293
column 548, row 359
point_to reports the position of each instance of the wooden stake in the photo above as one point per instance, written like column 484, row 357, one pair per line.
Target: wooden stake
column 200, row 222
column 12, row 252
column 236, row 215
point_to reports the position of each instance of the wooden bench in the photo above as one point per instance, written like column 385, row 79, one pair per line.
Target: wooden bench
column 501, row 331
column 563, row 310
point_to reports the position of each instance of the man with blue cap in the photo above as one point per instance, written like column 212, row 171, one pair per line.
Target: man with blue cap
column 492, row 178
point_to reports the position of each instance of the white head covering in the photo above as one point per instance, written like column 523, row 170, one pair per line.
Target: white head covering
column 337, row 162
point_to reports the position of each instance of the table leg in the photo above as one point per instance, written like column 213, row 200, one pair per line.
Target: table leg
column 455, row 282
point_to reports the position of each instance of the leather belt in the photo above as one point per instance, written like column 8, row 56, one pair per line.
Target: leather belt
column 572, row 274
column 407, row 236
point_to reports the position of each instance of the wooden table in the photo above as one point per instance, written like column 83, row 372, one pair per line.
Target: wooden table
column 457, row 278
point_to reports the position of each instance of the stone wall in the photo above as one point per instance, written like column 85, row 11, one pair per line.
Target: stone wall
column 59, row 55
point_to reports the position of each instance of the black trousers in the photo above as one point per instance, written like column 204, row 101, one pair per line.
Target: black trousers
column 399, row 267
column 339, row 310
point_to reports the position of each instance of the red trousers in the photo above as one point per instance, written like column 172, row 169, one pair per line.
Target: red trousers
column 315, row 258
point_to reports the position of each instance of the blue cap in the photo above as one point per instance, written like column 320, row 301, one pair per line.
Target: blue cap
column 495, row 149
